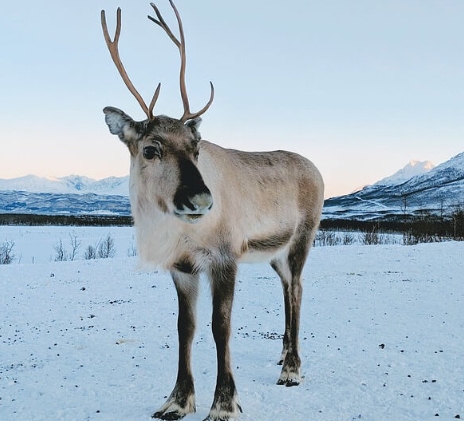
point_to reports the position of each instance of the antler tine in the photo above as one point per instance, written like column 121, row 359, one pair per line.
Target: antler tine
column 181, row 46
column 114, row 52
column 153, row 102
column 162, row 23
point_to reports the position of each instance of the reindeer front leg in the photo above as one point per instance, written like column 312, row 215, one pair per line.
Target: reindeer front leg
column 225, row 404
column 182, row 399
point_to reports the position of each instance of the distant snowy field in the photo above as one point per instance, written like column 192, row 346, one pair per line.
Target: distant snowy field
column 382, row 334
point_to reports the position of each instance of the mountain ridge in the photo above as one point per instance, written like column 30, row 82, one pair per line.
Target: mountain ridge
column 71, row 184
column 412, row 169
column 435, row 191
column 430, row 189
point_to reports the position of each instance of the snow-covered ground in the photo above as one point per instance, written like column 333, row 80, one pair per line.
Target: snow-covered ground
column 382, row 334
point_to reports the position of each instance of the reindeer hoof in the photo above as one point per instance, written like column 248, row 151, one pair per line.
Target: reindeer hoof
column 227, row 413
column 172, row 410
column 168, row 415
column 288, row 382
column 289, row 379
column 223, row 415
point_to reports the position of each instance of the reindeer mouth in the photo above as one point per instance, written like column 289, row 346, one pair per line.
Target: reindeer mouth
column 191, row 218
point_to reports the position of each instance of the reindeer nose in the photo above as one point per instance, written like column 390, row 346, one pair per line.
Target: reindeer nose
column 191, row 207
column 202, row 202
column 199, row 202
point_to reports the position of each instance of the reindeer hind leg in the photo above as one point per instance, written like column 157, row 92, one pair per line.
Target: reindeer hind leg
column 281, row 267
column 289, row 269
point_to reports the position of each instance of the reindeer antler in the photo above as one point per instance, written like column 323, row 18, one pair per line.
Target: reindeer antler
column 113, row 48
column 114, row 52
column 181, row 46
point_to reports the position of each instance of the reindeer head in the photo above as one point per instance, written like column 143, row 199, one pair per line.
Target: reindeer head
column 164, row 151
column 164, row 155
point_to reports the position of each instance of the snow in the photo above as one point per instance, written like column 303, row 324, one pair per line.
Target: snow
column 381, row 334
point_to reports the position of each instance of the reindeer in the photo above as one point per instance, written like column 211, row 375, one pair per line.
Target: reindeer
column 200, row 208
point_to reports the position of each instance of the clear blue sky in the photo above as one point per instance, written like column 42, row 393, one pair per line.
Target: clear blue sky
column 360, row 87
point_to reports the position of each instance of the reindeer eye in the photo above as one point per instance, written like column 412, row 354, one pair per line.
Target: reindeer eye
column 150, row 152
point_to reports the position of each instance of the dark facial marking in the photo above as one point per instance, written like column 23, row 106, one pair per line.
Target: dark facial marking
column 162, row 205
column 191, row 184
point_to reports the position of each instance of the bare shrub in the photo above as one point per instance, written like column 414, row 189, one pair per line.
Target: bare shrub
column 414, row 236
column 75, row 245
column 333, row 238
column 373, row 237
column 427, row 228
column 6, row 252
column 326, row 238
column 61, row 253
column 457, row 221
column 132, row 251
column 90, row 253
column 106, row 248
column 348, row 239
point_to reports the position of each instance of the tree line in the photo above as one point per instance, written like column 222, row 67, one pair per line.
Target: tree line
column 73, row 220
column 423, row 227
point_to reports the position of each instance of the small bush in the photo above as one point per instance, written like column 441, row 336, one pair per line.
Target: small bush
column 61, row 253
column 457, row 221
column 75, row 245
column 106, row 248
column 132, row 251
column 90, row 253
column 414, row 236
column 6, row 252
column 326, row 238
column 348, row 239
column 373, row 237
column 333, row 238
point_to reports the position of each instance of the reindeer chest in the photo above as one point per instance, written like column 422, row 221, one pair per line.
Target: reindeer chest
column 165, row 244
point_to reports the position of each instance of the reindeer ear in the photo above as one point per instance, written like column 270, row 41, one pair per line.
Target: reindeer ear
column 122, row 125
column 193, row 125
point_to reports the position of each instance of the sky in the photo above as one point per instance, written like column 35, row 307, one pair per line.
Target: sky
column 360, row 87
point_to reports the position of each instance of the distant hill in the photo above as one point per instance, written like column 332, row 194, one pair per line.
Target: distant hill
column 416, row 188
column 73, row 184
column 63, row 203
column 72, row 195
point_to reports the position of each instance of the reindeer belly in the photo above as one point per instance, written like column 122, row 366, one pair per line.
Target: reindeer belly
column 265, row 248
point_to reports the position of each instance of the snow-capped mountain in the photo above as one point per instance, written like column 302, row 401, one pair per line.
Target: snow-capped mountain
column 73, row 184
column 437, row 190
column 72, row 195
column 417, row 186
column 63, row 203
column 412, row 169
